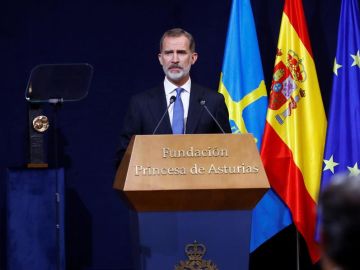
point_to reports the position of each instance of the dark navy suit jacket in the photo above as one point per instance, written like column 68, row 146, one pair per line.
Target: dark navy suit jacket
column 146, row 109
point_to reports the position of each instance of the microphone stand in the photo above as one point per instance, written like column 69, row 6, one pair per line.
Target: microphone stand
column 202, row 103
column 172, row 100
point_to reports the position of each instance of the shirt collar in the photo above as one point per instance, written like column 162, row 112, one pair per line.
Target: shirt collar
column 170, row 87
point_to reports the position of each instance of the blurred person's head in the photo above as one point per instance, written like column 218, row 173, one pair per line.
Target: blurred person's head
column 340, row 229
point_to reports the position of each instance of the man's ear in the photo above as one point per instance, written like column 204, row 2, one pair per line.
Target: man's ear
column 160, row 60
column 194, row 57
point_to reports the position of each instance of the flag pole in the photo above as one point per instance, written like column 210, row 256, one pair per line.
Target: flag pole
column 297, row 251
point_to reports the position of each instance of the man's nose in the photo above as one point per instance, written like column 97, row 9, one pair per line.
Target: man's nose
column 175, row 58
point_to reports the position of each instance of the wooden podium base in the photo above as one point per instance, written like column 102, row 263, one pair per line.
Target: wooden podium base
column 188, row 188
column 160, row 238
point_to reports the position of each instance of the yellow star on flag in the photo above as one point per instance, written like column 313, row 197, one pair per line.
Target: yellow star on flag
column 336, row 67
column 356, row 58
column 330, row 164
column 354, row 171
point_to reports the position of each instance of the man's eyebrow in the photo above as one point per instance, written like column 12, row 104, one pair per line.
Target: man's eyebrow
column 178, row 51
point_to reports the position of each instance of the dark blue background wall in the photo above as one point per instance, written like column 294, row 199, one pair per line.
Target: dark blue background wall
column 120, row 39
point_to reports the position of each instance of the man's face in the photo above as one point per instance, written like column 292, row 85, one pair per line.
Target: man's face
column 176, row 59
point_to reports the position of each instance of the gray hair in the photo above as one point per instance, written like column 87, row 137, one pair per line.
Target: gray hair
column 178, row 32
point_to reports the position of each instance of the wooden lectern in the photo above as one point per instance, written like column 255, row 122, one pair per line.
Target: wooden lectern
column 187, row 188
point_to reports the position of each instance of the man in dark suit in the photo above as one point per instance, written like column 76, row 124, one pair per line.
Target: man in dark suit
column 187, row 113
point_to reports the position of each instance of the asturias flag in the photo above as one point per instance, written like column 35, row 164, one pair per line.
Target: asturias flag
column 342, row 152
column 242, row 79
column 242, row 84
column 295, row 129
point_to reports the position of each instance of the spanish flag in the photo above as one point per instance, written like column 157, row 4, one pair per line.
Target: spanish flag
column 295, row 129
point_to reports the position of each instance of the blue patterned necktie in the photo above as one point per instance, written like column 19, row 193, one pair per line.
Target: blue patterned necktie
column 178, row 115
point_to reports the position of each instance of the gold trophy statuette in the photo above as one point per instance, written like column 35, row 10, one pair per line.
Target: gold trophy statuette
column 40, row 123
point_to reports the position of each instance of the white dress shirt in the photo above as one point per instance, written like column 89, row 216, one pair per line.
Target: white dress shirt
column 170, row 90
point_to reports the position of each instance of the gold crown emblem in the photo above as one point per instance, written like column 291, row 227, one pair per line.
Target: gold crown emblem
column 195, row 253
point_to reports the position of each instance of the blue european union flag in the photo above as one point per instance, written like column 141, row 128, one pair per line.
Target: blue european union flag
column 242, row 84
column 342, row 150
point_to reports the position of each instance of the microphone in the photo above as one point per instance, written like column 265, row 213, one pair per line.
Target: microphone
column 203, row 103
column 172, row 100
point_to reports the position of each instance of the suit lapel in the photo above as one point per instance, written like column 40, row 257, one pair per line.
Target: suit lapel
column 195, row 109
column 157, row 107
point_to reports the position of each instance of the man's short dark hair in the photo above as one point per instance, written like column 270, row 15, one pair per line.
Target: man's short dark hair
column 340, row 214
column 178, row 32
